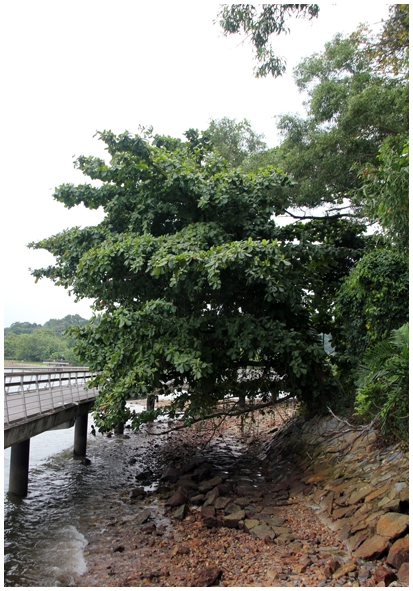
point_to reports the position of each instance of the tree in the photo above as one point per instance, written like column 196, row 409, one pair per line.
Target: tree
column 371, row 302
column 259, row 25
column 234, row 141
column 191, row 289
column 21, row 328
column 352, row 109
column 385, row 194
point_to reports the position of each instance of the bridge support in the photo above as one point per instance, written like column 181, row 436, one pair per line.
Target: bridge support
column 19, row 468
column 80, row 442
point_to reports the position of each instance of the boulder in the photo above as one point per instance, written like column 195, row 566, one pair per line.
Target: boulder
column 142, row 516
column 206, row 577
column 344, row 569
column 233, row 519
column 403, row 574
column 360, row 494
column 181, row 512
column 385, row 574
column 171, row 474
column 249, row 524
column 399, row 552
column 208, row 517
column 221, row 502
column 198, row 499
column 392, row 525
column 208, row 485
column 373, row 548
column 263, row 532
column 179, row 498
column 139, row 491
column 232, row 508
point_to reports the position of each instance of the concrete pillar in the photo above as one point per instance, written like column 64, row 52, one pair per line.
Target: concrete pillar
column 19, row 468
column 79, row 450
column 118, row 429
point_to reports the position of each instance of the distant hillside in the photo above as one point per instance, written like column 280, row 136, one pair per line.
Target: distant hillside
column 53, row 325
column 25, row 341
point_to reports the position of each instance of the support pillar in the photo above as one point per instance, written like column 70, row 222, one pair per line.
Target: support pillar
column 19, row 468
column 119, row 428
column 80, row 442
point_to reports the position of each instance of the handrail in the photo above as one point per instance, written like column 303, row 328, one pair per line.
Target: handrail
column 29, row 394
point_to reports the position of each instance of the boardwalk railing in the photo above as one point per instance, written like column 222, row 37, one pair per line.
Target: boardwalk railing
column 31, row 393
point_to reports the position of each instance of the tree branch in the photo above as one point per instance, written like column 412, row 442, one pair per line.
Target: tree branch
column 224, row 414
column 320, row 217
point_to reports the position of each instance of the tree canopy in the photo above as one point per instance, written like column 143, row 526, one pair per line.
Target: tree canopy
column 192, row 288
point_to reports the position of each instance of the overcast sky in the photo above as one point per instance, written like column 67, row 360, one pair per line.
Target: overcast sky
column 71, row 68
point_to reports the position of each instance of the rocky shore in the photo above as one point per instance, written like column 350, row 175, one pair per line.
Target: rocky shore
column 279, row 501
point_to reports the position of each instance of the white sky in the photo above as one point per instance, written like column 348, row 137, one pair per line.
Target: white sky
column 70, row 68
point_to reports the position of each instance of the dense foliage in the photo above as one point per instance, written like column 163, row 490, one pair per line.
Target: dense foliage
column 383, row 384
column 25, row 341
column 192, row 289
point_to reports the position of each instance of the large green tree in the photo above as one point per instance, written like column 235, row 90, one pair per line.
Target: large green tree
column 193, row 292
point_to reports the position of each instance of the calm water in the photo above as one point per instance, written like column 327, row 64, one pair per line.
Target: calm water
column 45, row 533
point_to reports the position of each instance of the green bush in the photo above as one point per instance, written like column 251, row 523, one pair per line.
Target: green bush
column 383, row 384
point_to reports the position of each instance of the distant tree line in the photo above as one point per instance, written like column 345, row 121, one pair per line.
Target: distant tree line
column 26, row 341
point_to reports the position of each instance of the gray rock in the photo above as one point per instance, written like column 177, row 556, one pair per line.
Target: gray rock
column 233, row 519
column 143, row 516
column 180, row 513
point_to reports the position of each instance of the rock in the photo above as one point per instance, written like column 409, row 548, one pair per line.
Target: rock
column 171, row 474
column 206, row 577
column 373, row 548
column 148, row 528
column 221, row 502
column 392, row 525
column 377, row 493
column 384, row 573
column 210, row 498
column 233, row 519
column 198, row 499
column 346, row 568
column 403, row 574
column 272, row 520
column 399, row 552
column 343, row 512
column 231, row 508
column 207, row 485
column 179, row 497
column 143, row 516
column 224, row 488
column 139, row 491
column 187, row 482
column 180, row 513
column 262, row 532
column 355, row 541
column 249, row 524
column 208, row 517
column 359, row 495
